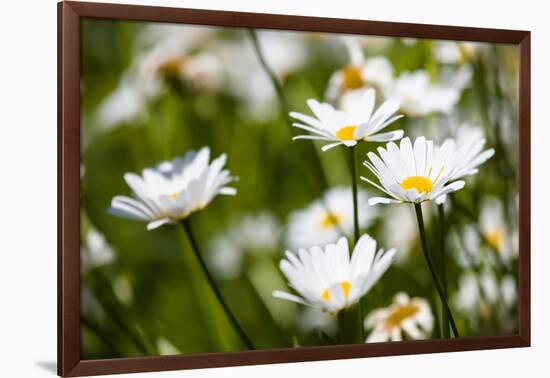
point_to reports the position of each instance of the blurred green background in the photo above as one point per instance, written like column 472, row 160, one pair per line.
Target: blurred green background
column 151, row 92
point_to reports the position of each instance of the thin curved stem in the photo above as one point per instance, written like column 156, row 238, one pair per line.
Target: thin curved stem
column 353, row 162
column 353, row 172
column 196, row 250
column 429, row 262
column 443, row 266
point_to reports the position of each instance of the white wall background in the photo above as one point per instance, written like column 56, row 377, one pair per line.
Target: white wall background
column 28, row 186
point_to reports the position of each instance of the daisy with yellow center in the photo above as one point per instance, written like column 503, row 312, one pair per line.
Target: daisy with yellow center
column 359, row 73
column 328, row 279
column 491, row 241
column 357, row 120
column 409, row 318
column 174, row 189
column 324, row 220
column 415, row 174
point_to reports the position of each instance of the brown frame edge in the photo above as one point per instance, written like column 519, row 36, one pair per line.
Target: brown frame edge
column 69, row 14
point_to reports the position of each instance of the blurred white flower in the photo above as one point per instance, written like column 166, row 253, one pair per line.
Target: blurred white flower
column 414, row 173
column 476, row 290
column 169, row 60
column 409, row 317
column 166, row 348
column 250, row 233
column 173, row 190
column 311, row 319
column 356, row 121
column 470, row 142
column 284, row 53
column 326, row 278
column 95, row 252
column 403, row 219
column 419, row 97
column 452, row 52
column 323, row 220
column 499, row 244
column 359, row 73
column 409, row 41
column 123, row 105
column 458, row 78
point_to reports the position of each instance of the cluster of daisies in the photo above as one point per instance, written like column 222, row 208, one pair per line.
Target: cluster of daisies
column 323, row 270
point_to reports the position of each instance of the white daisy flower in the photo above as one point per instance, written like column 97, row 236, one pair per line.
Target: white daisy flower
column 173, row 190
column 284, row 53
column 95, row 252
column 324, row 220
column 326, row 278
column 470, row 142
column 356, row 121
column 411, row 317
column 165, row 52
column 253, row 234
column 414, row 173
column 479, row 292
column 500, row 244
column 169, row 60
column 124, row 105
column 359, row 73
column 419, row 97
column 452, row 52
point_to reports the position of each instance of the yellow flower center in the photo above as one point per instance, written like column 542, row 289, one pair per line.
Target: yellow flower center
column 174, row 195
column 330, row 219
column 400, row 313
column 466, row 52
column 345, row 285
column 171, row 67
column 494, row 238
column 351, row 78
column 420, row 183
column 346, row 132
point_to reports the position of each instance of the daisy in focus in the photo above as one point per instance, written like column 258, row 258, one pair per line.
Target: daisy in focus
column 325, row 219
column 409, row 318
column 415, row 174
column 174, row 189
column 470, row 142
column 356, row 121
column 328, row 279
column 359, row 72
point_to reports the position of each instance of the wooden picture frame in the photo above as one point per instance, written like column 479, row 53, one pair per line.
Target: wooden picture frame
column 69, row 18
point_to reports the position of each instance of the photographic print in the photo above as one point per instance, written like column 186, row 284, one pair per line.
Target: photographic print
column 255, row 189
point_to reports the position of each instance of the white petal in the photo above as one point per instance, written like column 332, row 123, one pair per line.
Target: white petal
column 157, row 223
column 385, row 137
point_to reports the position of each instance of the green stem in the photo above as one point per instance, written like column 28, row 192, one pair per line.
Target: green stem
column 317, row 179
column 353, row 171
column 443, row 267
column 98, row 332
column 353, row 162
column 195, row 247
column 429, row 262
column 346, row 326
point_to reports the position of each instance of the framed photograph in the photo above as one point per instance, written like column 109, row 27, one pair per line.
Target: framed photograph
column 240, row 188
